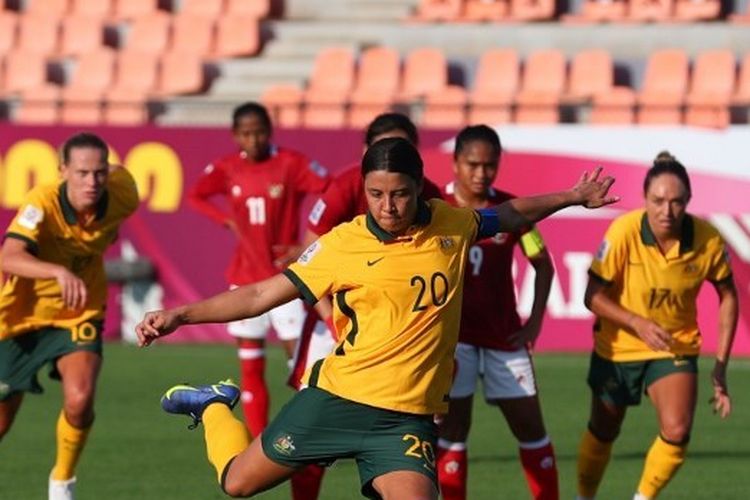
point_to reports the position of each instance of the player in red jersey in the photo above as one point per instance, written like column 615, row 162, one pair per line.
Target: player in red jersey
column 343, row 200
column 493, row 342
column 264, row 186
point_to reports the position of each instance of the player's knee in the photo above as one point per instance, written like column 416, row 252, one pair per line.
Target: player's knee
column 237, row 488
column 79, row 406
column 677, row 434
column 604, row 433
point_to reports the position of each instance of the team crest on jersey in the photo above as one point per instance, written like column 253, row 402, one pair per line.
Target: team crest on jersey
column 236, row 191
column 275, row 191
column 500, row 238
column 603, row 250
column 284, row 445
column 691, row 268
column 318, row 169
column 209, row 168
column 4, row 389
column 309, row 253
column 31, row 217
column 317, row 212
column 446, row 243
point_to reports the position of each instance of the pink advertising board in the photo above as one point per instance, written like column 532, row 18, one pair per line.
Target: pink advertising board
column 190, row 252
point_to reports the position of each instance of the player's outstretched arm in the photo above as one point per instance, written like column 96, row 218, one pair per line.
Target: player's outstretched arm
column 591, row 191
column 243, row 302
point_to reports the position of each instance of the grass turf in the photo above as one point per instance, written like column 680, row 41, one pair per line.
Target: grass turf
column 137, row 451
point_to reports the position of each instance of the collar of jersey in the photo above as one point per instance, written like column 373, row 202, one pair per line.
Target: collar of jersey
column 686, row 238
column 423, row 217
column 70, row 213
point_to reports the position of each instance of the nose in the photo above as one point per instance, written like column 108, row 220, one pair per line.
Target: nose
column 388, row 205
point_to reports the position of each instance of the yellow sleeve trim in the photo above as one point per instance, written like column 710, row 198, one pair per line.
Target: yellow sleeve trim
column 532, row 243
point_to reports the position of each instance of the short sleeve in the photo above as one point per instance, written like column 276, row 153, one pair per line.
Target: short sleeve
column 315, row 274
column 122, row 186
column 720, row 268
column 488, row 223
column 610, row 259
column 310, row 176
column 332, row 208
column 29, row 221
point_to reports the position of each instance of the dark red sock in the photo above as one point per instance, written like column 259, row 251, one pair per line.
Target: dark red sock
column 452, row 467
column 540, row 467
column 254, row 394
column 306, row 482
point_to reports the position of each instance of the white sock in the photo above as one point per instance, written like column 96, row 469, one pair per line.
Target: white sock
column 638, row 496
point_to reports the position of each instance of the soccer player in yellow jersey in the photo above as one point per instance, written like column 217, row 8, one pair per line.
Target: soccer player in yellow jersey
column 52, row 301
column 396, row 275
column 643, row 286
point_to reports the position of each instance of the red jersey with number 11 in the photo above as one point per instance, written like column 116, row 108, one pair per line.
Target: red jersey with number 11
column 264, row 201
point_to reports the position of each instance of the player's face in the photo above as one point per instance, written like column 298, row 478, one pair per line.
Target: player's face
column 252, row 136
column 476, row 167
column 392, row 200
column 666, row 202
column 86, row 176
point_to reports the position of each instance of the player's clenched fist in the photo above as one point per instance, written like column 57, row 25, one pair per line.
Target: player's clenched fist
column 156, row 324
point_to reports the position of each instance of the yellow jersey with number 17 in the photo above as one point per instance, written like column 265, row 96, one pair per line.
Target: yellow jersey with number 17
column 397, row 306
column 48, row 224
column 661, row 287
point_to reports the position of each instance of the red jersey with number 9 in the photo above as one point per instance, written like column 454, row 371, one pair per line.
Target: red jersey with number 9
column 264, row 202
column 489, row 312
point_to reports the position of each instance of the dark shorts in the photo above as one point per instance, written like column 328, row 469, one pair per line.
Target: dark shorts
column 21, row 357
column 621, row 383
column 317, row 427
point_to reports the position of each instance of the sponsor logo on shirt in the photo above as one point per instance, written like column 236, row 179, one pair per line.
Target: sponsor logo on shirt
column 317, row 212
column 446, row 242
column 30, row 217
column 309, row 253
column 275, row 191
column 500, row 238
column 284, row 445
column 4, row 389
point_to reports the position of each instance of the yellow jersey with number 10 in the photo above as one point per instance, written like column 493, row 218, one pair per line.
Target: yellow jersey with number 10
column 397, row 307
column 661, row 287
column 48, row 224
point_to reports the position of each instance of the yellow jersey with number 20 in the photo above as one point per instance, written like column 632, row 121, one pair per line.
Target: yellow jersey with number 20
column 397, row 306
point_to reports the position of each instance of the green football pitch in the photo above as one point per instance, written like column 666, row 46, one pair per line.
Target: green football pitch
column 138, row 452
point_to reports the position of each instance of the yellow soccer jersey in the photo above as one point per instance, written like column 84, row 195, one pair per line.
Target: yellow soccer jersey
column 397, row 306
column 48, row 225
column 663, row 288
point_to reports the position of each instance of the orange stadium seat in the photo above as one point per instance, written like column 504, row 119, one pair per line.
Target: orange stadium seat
column 24, row 70
column 150, row 33
column 591, row 72
column 328, row 88
column 284, row 104
column 38, row 106
column 486, row 10
column 135, row 74
column 425, row 70
column 439, row 10
column 711, row 89
column 205, row 8
column 133, row 9
column 81, row 33
column 495, row 86
column 376, row 85
column 742, row 95
column 613, row 107
column 257, row 8
column 237, row 35
column 95, row 8
column 192, row 33
column 82, row 97
column 542, row 86
column 532, row 10
column 445, row 108
column 664, row 85
column 51, row 8
column 696, row 10
column 596, row 11
column 38, row 33
column 8, row 25
column 651, row 10
column 125, row 107
column 180, row 73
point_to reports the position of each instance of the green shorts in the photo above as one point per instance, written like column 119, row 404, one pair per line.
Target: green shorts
column 21, row 357
column 317, row 427
column 621, row 383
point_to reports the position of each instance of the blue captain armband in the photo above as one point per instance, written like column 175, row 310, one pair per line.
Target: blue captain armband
column 489, row 223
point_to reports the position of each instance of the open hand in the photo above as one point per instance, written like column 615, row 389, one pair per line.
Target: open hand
column 592, row 191
column 72, row 288
column 720, row 401
column 656, row 337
